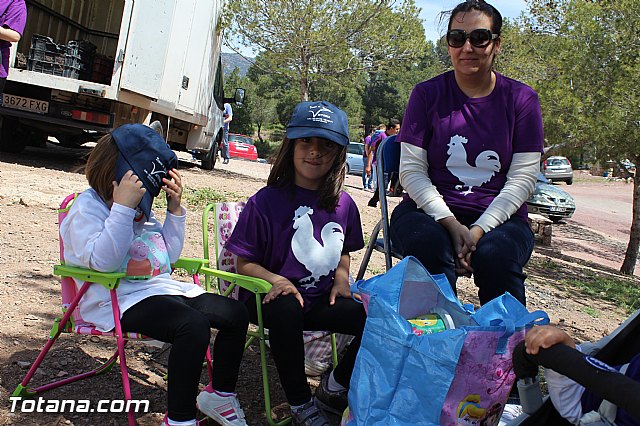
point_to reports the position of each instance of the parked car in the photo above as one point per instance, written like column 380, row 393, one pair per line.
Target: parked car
column 551, row 201
column 241, row 146
column 558, row 168
column 354, row 158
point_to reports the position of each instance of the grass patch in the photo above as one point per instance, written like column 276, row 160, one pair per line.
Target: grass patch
column 590, row 311
column 196, row 199
column 623, row 292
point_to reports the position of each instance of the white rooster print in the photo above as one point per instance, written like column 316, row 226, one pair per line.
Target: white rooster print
column 320, row 258
column 487, row 164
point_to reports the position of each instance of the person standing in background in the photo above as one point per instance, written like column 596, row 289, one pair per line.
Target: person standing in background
column 13, row 18
column 228, row 116
column 366, row 177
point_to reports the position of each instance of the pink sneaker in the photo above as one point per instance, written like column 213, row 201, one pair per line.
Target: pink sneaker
column 223, row 409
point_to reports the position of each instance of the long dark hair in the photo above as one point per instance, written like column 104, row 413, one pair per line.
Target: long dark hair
column 481, row 6
column 283, row 173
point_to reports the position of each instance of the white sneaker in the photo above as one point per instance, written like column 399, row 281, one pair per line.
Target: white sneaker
column 511, row 412
column 223, row 409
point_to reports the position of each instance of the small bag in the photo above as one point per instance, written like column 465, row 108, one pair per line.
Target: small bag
column 462, row 375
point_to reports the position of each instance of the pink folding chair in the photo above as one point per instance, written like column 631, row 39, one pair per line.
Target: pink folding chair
column 72, row 321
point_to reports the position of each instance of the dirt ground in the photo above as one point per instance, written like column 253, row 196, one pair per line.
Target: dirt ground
column 32, row 186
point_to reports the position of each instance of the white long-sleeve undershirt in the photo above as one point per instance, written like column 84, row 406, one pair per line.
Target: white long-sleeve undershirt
column 521, row 180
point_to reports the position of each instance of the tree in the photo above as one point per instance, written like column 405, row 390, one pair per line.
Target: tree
column 308, row 40
column 591, row 88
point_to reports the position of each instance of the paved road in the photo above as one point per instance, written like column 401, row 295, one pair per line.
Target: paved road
column 599, row 230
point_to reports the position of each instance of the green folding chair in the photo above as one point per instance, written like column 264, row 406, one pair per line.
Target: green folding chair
column 223, row 268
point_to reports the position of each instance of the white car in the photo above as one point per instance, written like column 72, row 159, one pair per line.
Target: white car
column 355, row 165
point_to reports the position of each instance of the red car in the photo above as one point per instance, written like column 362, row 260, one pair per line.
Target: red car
column 241, row 146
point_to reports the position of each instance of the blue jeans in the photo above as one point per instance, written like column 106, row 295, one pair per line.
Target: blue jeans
column 497, row 263
column 224, row 152
column 366, row 180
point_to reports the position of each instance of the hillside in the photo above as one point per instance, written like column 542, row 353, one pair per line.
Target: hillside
column 231, row 61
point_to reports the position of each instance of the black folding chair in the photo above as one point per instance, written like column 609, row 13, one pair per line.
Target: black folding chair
column 387, row 162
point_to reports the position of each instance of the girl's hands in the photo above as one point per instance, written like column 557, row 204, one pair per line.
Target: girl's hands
column 173, row 188
column 129, row 191
column 544, row 337
column 282, row 286
column 339, row 289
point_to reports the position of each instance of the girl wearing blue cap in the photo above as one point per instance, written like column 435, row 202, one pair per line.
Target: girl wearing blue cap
column 297, row 233
column 110, row 227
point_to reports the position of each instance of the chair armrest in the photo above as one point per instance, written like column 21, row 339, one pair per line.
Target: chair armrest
column 109, row 280
column 189, row 264
column 253, row 284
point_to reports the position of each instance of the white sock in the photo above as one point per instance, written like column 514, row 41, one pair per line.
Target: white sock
column 184, row 423
column 334, row 386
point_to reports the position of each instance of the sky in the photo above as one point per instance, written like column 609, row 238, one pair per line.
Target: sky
column 431, row 10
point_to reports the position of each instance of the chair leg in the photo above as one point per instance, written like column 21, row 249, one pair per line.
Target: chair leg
column 263, row 365
column 123, row 360
column 367, row 255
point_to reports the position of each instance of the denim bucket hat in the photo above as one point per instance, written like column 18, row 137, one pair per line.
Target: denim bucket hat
column 319, row 119
column 145, row 152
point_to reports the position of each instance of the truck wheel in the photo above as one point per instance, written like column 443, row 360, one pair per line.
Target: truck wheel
column 209, row 159
column 8, row 140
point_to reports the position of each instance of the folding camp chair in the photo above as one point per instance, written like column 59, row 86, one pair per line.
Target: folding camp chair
column 615, row 349
column 225, row 217
column 387, row 162
column 72, row 321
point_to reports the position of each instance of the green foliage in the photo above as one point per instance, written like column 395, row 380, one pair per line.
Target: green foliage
column 309, row 41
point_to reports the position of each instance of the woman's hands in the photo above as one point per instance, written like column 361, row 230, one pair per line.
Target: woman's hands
column 129, row 191
column 464, row 243
column 173, row 188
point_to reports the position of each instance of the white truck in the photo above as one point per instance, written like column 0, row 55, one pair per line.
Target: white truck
column 92, row 66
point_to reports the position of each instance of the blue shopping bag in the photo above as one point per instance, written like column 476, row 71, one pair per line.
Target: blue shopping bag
column 462, row 375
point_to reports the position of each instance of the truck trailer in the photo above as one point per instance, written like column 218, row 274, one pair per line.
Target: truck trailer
column 85, row 67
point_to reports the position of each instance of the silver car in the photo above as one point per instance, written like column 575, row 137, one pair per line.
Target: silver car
column 558, row 168
column 551, row 201
column 355, row 165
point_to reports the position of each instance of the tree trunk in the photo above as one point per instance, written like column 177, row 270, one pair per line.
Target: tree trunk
column 304, row 89
column 631, row 256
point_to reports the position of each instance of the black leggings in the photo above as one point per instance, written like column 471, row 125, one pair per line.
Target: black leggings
column 286, row 320
column 186, row 324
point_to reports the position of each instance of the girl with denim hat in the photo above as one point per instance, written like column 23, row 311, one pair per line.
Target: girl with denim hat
column 111, row 227
column 297, row 233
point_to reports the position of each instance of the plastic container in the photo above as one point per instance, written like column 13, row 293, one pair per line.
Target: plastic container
column 427, row 324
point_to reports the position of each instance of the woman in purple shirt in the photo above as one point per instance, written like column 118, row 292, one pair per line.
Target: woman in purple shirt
column 12, row 21
column 471, row 142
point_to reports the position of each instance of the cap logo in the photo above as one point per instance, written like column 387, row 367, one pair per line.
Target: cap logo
column 320, row 114
column 155, row 176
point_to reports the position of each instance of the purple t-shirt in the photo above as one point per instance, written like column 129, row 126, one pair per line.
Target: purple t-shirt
column 286, row 232
column 14, row 16
column 470, row 141
column 375, row 141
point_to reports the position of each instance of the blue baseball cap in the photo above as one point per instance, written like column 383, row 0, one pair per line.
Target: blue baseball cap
column 319, row 119
column 145, row 152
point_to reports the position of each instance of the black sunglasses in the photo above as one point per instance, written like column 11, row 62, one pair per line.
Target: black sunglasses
column 478, row 38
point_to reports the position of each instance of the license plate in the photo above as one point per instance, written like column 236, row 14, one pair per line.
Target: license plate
column 558, row 209
column 25, row 104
